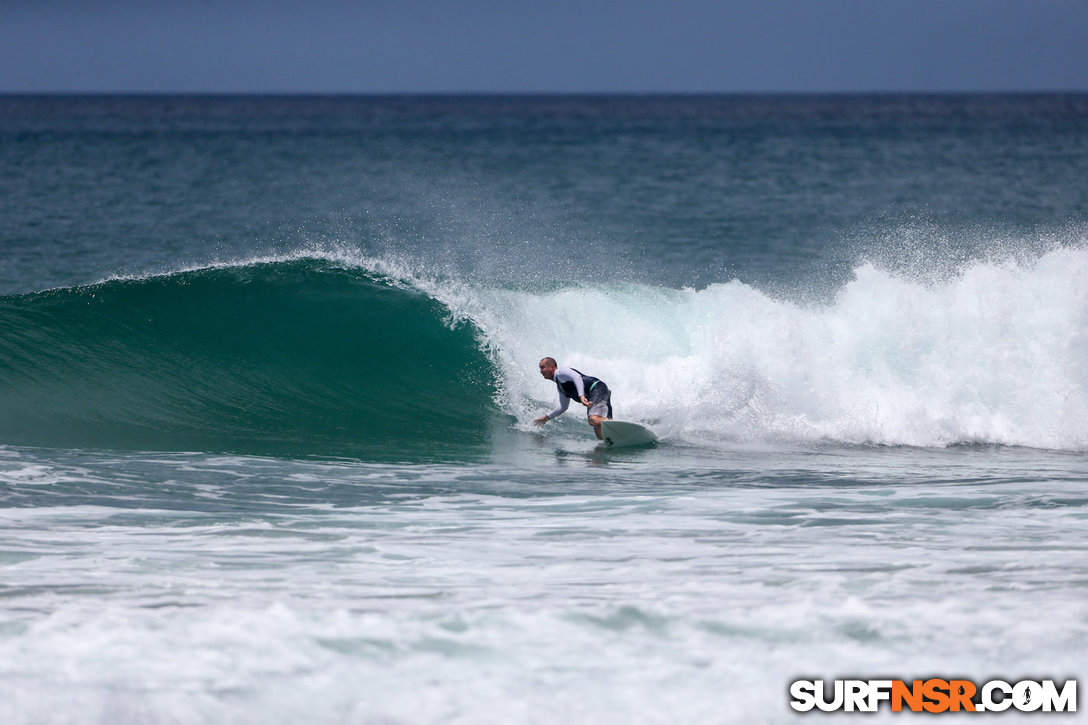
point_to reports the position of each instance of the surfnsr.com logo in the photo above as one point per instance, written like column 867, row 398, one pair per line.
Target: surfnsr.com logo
column 933, row 696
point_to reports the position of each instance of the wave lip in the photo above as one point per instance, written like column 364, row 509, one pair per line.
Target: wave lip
column 285, row 357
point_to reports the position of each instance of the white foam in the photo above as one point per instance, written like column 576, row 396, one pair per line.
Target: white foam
column 995, row 354
column 638, row 605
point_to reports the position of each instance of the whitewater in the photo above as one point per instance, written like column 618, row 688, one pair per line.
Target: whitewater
column 992, row 355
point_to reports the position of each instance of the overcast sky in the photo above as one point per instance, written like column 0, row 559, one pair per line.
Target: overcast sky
column 322, row 46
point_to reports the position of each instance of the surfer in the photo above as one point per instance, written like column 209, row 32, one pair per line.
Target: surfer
column 586, row 389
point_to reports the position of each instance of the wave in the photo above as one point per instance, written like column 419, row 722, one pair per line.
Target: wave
column 338, row 354
column 283, row 357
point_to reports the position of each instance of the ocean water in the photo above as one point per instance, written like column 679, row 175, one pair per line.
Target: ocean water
column 267, row 368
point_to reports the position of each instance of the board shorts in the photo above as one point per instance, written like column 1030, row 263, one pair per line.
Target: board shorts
column 601, row 397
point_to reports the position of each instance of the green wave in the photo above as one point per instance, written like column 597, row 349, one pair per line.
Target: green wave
column 275, row 358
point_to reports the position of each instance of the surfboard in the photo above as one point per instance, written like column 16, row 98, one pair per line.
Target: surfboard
column 624, row 433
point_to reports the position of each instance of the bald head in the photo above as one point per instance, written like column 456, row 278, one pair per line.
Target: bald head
column 547, row 367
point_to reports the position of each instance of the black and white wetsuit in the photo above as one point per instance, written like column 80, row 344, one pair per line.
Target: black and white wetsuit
column 573, row 385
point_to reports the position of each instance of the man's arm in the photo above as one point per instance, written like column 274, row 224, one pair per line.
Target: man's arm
column 564, row 403
column 563, row 374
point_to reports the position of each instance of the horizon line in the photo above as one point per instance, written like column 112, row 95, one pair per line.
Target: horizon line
column 543, row 94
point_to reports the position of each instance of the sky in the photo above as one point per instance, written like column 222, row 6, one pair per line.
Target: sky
column 522, row 46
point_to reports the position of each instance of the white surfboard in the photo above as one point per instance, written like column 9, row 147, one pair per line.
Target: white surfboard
column 623, row 434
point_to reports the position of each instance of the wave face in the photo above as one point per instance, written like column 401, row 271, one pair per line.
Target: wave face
column 995, row 353
column 294, row 357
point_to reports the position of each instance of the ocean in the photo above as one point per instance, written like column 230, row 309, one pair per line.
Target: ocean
column 268, row 372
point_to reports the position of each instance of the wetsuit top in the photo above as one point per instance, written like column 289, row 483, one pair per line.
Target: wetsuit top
column 571, row 384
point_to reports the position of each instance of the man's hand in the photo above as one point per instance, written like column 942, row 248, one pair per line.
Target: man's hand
column 541, row 420
column 586, row 402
